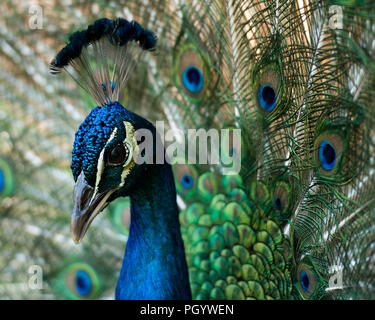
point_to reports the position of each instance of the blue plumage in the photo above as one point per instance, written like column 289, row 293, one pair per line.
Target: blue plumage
column 92, row 135
column 154, row 266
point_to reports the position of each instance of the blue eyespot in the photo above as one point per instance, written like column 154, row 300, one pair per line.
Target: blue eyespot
column 327, row 155
column 187, row 181
column 304, row 280
column 267, row 98
column 277, row 203
column 192, row 78
column 83, row 283
column 2, row 180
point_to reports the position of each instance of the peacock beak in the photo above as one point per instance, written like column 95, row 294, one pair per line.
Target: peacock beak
column 87, row 205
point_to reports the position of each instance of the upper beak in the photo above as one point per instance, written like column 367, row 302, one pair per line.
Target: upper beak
column 87, row 205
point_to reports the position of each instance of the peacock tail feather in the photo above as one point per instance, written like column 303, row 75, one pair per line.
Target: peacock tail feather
column 296, row 77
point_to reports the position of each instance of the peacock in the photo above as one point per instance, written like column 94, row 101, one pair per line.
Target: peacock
column 296, row 79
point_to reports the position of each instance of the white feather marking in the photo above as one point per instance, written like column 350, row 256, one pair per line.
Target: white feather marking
column 100, row 166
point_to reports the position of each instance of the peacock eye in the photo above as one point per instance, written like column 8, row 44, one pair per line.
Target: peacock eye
column 118, row 155
column 327, row 155
column 268, row 88
column 192, row 78
column 78, row 281
column 83, row 283
column 277, row 203
column 267, row 97
column 187, row 181
column 307, row 281
column 304, row 281
column 329, row 152
column 192, row 72
column 281, row 197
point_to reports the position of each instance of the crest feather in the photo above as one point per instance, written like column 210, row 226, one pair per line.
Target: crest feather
column 103, row 57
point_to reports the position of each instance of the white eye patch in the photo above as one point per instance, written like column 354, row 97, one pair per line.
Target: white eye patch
column 100, row 167
column 131, row 143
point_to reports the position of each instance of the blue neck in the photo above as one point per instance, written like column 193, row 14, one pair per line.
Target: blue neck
column 154, row 265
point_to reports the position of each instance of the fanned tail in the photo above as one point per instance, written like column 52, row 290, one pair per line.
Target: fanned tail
column 311, row 104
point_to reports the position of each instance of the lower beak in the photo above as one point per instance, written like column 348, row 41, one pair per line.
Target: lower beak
column 87, row 205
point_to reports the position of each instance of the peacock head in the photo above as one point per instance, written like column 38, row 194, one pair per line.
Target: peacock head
column 104, row 162
column 105, row 146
